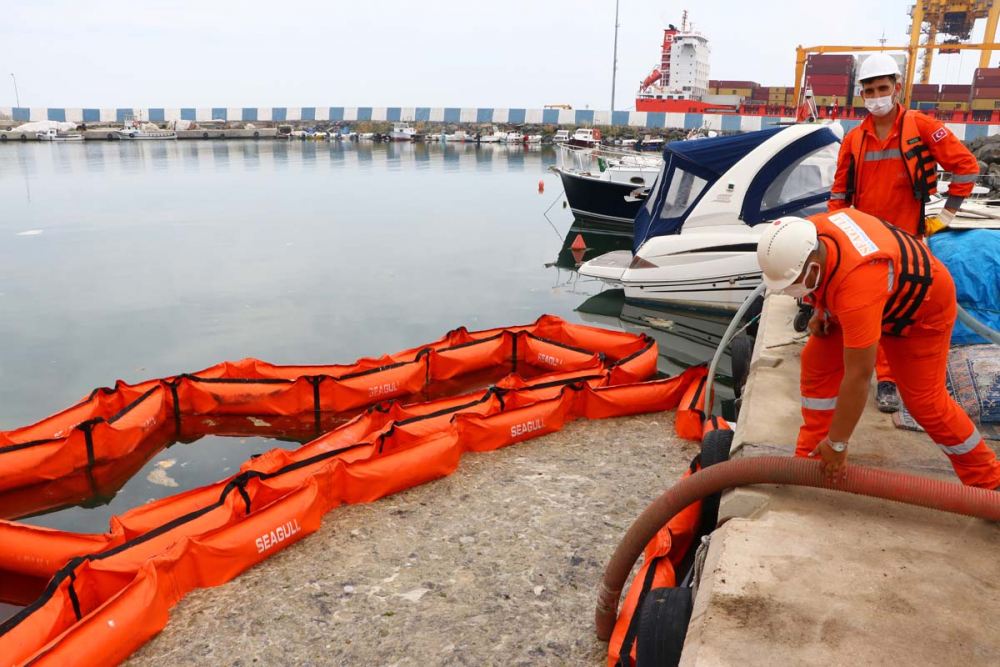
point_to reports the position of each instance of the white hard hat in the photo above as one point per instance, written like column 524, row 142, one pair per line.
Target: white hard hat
column 783, row 250
column 876, row 65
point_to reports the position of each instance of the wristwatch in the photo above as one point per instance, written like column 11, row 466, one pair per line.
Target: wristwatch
column 837, row 446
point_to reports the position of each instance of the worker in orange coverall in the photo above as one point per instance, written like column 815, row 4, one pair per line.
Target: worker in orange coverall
column 888, row 168
column 871, row 282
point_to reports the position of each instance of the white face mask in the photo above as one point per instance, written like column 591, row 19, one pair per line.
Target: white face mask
column 880, row 106
column 799, row 290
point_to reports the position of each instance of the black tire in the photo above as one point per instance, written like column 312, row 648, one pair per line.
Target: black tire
column 755, row 310
column 256, row 135
column 663, row 626
column 740, row 352
column 24, row 137
column 801, row 321
column 111, row 135
column 131, row 135
column 715, row 448
column 222, row 135
column 3, row 138
column 204, row 135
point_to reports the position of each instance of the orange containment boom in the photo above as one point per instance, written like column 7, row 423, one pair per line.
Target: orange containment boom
column 107, row 594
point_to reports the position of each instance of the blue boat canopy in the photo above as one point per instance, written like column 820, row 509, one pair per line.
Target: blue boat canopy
column 780, row 188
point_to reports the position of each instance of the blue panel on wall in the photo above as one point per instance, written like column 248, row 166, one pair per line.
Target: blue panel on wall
column 393, row 114
column 121, row 113
column 484, row 115
column 692, row 121
column 156, row 116
column 423, row 114
column 452, row 115
column 550, row 115
column 585, row 117
column 188, row 114
column 849, row 125
column 656, row 119
column 57, row 115
column 364, row 113
column 249, row 113
column 516, row 115
column 336, row 113
column 219, row 113
column 308, row 113
column 619, row 117
column 91, row 115
column 731, row 123
column 975, row 131
column 279, row 113
column 22, row 114
column 770, row 121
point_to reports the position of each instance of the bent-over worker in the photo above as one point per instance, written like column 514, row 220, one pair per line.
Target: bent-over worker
column 887, row 167
column 871, row 282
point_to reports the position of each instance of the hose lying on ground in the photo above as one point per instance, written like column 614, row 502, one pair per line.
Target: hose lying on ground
column 909, row 489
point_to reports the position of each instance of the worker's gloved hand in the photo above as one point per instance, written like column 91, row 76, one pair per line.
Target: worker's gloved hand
column 935, row 223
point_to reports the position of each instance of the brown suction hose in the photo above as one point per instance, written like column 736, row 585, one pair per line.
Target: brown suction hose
column 909, row 489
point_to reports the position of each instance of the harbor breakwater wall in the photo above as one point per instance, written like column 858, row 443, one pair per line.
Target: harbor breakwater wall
column 641, row 120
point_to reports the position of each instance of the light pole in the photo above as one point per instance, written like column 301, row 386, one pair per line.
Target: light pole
column 614, row 68
column 16, row 96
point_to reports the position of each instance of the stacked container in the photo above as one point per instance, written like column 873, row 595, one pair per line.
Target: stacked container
column 742, row 88
column 925, row 96
column 713, row 86
column 954, row 97
column 831, row 78
column 986, row 89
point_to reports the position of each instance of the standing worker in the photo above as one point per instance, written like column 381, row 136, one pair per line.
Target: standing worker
column 871, row 282
column 888, row 168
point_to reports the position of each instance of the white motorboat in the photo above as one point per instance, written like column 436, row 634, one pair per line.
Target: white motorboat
column 533, row 138
column 135, row 130
column 695, row 236
column 514, row 137
column 494, row 137
column 53, row 135
column 585, row 137
column 459, row 135
column 404, row 132
column 561, row 137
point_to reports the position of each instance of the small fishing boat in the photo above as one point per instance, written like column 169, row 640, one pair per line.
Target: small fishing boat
column 405, row 132
column 585, row 137
column 561, row 137
column 53, row 135
column 494, row 137
column 134, row 130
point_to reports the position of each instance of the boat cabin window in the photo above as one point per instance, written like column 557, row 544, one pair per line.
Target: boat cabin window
column 683, row 190
column 805, row 178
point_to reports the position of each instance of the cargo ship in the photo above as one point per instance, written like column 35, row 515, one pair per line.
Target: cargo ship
column 680, row 84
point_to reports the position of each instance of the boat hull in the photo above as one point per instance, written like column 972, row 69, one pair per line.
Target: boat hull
column 146, row 136
column 599, row 201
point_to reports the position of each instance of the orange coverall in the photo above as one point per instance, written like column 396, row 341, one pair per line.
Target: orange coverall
column 883, row 188
column 918, row 359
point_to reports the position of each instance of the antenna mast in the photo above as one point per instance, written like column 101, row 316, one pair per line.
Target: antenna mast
column 614, row 66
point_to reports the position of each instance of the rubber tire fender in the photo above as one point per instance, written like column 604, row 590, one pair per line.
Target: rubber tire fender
column 24, row 137
column 3, row 138
column 204, row 135
column 111, row 135
column 131, row 135
column 715, row 448
column 663, row 626
column 256, row 135
column 741, row 353
column 801, row 321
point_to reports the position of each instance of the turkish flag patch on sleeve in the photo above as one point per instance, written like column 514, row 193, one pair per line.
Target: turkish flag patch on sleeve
column 940, row 134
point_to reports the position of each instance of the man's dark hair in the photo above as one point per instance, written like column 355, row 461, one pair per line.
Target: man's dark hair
column 891, row 76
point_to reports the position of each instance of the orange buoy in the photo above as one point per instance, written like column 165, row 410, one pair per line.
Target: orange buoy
column 578, row 243
column 541, row 187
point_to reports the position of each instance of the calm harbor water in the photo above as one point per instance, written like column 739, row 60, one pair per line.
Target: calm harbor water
column 138, row 260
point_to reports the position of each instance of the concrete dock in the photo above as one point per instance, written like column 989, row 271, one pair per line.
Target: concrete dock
column 811, row 577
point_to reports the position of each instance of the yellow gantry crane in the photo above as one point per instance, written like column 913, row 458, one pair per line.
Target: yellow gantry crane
column 933, row 18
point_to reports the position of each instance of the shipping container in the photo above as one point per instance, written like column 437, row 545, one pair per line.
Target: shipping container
column 952, row 106
column 926, row 88
column 742, row 92
column 830, row 80
column 832, row 90
column 983, row 105
column 723, row 100
column 923, row 106
column 955, row 88
column 738, row 84
column 924, row 97
column 992, row 93
column 955, row 97
column 828, row 100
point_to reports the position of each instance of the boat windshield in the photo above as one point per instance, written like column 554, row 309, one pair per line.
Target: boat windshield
column 683, row 190
column 801, row 181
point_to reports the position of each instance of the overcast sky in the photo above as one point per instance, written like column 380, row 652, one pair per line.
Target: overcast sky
column 517, row 53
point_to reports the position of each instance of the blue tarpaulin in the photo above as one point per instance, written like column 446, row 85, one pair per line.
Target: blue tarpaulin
column 973, row 259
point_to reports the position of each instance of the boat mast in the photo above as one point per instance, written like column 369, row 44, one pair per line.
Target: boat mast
column 614, row 67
